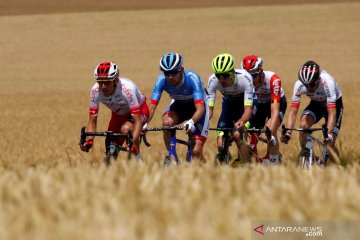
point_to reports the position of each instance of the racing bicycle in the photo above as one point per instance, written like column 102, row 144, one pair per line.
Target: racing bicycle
column 308, row 155
column 224, row 156
column 172, row 156
column 112, row 144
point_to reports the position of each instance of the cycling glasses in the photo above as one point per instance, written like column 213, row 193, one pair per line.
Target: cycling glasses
column 105, row 80
column 311, row 85
column 222, row 75
column 171, row 73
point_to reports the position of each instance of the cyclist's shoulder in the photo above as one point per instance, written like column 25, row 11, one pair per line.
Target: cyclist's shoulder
column 128, row 83
column 191, row 74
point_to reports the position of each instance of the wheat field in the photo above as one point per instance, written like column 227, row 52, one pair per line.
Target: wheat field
column 49, row 189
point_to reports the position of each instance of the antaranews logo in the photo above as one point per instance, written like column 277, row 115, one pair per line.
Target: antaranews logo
column 309, row 231
column 259, row 229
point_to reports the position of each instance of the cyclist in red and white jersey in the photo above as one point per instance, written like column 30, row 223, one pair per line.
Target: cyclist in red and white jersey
column 123, row 98
column 271, row 106
column 326, row 101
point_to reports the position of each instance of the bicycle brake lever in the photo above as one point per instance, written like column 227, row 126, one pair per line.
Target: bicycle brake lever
column 325, row 131
column 268, row 133
column 82, row 136
column 283, row 129
column 145, row 140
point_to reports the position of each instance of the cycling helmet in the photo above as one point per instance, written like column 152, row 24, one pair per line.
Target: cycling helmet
column 223, row 63
column 309, row 73
column 171, row 62
column 252, row 63
column 108, row 70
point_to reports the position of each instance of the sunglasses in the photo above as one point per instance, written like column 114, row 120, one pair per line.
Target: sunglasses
column 171, row 73
column 254, row 75
column 311, row 85
column 222, row 75
column 105, row 81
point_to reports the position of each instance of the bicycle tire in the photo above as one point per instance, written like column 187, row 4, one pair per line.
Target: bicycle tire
column 223, row 157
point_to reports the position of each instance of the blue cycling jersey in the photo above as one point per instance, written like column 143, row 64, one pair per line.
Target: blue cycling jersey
column 191, row 88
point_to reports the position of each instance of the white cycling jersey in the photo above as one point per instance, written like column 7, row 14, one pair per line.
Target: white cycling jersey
column 243, row 86
column 126, row 99
column 270, row 90
column 327, row 93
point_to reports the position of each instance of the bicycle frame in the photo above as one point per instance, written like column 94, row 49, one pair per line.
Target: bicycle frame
column 224, row 151
column 173, row 141
column 306, row 154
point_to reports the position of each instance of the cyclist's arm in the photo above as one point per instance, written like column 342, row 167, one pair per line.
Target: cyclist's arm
column 211, row 90
column 275, row 110
column 137, row 127
column 331, row 119
column 91, row 126
column 246, row 115
column 211, row 111
column 275, row 88
column 199, row 113
column 152, row 108
column 292, row 117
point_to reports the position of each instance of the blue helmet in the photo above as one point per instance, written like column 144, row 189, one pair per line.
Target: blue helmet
column 171, row 61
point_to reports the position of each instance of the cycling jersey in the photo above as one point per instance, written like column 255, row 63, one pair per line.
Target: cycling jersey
column 190, row 88
column 126, row 99
column 271, row 90
column 184, row 97
column 242, row 89
column 327, row 92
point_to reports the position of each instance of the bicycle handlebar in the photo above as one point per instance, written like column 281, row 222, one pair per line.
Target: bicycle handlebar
column 127, row 135
column 249, row 130
column 323, row 128
column 165, row 128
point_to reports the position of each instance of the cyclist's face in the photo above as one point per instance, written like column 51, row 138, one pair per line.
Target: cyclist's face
column 312, row 88
column 226, row 79
column 106, row 86
column 174, row 77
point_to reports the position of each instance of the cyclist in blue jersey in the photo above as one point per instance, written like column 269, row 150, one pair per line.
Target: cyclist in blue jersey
column 188, row 101
column 238, row 99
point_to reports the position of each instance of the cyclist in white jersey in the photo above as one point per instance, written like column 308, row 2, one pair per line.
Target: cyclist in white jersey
column 123, row 98
column 238, row 93
column 271, row 106
column 326, row 101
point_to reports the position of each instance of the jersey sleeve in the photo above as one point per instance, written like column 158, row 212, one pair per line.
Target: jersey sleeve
column 297, row 92
column 94, row 100
column 249, row 90
column 275, row 88
column 330, row 89
column 158, row 89
column 197, row 87
column 211, row 89
column 129, row 90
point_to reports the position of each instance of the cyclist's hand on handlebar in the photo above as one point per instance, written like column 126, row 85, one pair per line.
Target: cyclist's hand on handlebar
column 190, row 126
column 87, row 145
column 144, row 128
column 285, row 138
column 329, row 139
column 272, row 140
column 240, row 125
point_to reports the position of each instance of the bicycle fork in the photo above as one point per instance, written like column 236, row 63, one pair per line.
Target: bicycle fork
column 307, row 154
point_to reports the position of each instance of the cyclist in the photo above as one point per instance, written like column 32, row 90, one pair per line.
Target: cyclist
column 188, row 101
column 125, row 100
column 271, row 105
column 236, row 87
column 326, row 101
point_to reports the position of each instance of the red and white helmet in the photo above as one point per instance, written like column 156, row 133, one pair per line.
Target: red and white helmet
column 108, row 70
column 252, row 63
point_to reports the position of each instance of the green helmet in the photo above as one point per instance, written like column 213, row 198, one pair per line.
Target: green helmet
column 223, row 63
